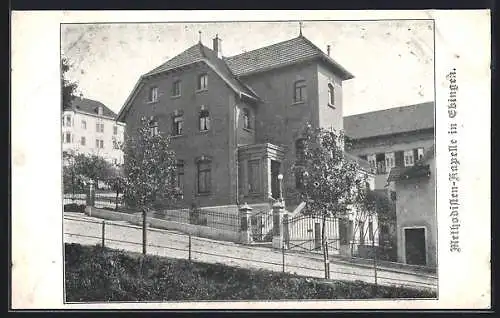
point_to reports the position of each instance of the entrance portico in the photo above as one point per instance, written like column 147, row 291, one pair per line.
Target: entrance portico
column 258, row 169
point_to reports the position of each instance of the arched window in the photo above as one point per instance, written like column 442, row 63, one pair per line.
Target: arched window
column 331, row 95
column 300, row 149
column 299, row 94
column 247, row 121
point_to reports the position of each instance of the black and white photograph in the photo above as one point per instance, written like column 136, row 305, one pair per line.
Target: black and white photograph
column 243, row 160
column 249, row 160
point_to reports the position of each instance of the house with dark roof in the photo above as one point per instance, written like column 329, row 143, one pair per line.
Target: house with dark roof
column 395, row 137
column 90, row 127
column 235, row 121
column 416, row 219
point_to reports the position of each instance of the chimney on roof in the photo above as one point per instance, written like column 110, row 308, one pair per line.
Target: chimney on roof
column 218, row 46
column 328, row 50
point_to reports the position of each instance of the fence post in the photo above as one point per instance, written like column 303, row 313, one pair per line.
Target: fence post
column 375, row 266
column 245, row 213
column 90, row 200
column 144, row 232
column 190, row 247
column 283, row 256
column 103, row 232
column 327, row 260
column 278, row 211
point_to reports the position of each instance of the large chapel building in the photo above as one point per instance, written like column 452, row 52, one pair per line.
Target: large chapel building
column 236, row 121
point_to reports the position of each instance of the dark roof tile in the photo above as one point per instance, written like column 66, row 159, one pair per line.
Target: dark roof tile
column 280, row 54
column 390, row 121
column 91, row 106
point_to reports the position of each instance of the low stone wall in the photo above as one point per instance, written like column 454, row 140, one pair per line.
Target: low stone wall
column 110, row 215
column 195, row 230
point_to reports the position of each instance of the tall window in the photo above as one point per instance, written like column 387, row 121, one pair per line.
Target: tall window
column 99, row 127
column 253, row 176
column 420, row 153
column 204, row 120
column 84, row 124
column 67, row 121
column 299, row 94
column 389, row 160
column 299, row 179
column 299, row 149
column 67, row 138
column 115, row 130
column 178, row 125
column 153, row 94
column 202, row 82
column 204, row 176
column 153, row 127
column 409, row 159
column 247, row 122
column 180, row 175
column 331, row 95
column 99, row 143
column 176, row 88
column 83, row 141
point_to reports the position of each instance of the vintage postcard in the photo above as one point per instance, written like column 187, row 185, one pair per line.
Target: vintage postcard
column 251, row 160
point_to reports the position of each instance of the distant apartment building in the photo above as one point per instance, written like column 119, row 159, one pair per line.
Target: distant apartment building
column 90, row 127
column 395, row 137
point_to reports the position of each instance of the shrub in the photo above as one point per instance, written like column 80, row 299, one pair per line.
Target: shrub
column 73, row 207
column 94, row 273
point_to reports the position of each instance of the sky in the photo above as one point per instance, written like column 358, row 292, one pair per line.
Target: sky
column 392, row 61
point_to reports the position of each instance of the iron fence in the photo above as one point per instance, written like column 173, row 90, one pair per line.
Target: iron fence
column 178, row 245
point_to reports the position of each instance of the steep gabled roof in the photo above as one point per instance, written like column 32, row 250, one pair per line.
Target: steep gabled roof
column 390, row 121
column 284, row 53
column 201, row 53
column 91, row 106
column 195, row 54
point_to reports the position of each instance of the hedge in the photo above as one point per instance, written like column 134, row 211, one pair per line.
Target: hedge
column 94, row 273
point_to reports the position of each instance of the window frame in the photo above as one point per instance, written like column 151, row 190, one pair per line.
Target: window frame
column 179, row 177
column 176, row 88
column 247, row 119
column 331, row 95
column 253, row 168
column 204, row 118
column 177, row 130
column 83, row 141
column 66, row 134
column 153, row 94
column 67, row 121
column 202, row 85
column 84, row 124
column 299, row 86
column 204, row 167
column 115, row 130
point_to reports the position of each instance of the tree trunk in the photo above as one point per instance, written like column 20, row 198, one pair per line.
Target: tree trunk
column 144, row 231
column 116, row 200
column 323, row 245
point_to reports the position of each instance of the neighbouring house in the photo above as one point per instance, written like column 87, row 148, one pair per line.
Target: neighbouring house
column 396, row 137
column 415, row 188
column 90, row 127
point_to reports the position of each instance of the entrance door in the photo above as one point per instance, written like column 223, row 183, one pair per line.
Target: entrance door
column 275, row 186
column 415, row 246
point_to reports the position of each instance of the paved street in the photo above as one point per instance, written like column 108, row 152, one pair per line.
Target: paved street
column 79, row 228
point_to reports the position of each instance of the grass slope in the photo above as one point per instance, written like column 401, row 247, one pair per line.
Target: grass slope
column 97, row 274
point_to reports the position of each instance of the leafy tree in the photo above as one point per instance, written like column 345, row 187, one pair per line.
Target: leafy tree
column 80, row 168
column 69, row 88
column 149, row 168
column 330, row 180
